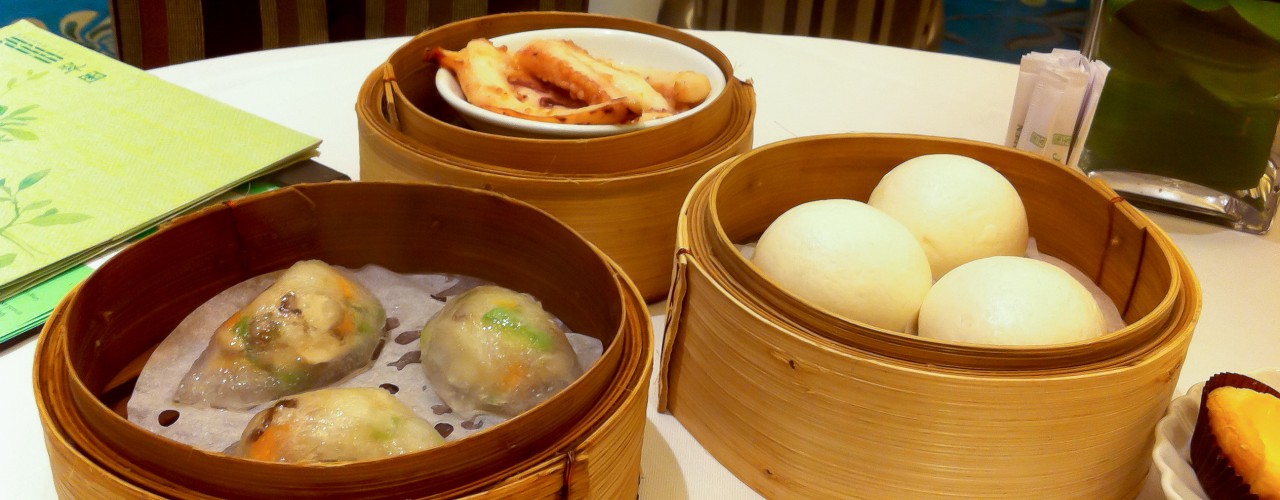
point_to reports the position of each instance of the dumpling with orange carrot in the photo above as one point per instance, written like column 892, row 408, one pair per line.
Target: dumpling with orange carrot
column 496, row 351
column 335, row 425
column 313, row 327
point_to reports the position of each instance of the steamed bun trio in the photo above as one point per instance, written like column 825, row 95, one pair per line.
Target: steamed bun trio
column 490, row 350
column 940, row 246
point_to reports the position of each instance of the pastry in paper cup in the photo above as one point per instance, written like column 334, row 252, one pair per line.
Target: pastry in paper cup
column 1230, row 463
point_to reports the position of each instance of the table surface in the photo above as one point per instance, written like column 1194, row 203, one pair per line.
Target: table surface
column 804, row 86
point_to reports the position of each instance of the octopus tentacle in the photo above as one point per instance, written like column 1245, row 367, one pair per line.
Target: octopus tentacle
column 564, row 64
column 486, row 74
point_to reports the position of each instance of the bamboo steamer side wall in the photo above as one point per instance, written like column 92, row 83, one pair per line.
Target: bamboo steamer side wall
column 612, row 456
column 546, row 482
column 75, row 475
column 797, row 416
column 631, row 219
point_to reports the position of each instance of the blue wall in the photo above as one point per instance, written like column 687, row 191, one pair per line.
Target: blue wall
column 1005, row 30
column 85, row 21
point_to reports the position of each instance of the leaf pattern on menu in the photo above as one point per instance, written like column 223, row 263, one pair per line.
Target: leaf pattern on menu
column 36, row 214
column 15, row 122
column 15, row 125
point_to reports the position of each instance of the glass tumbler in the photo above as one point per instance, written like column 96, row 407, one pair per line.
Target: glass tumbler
column 1189, row 119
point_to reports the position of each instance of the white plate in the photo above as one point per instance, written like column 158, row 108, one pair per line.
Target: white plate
column 1173, row 441
column 624, row 47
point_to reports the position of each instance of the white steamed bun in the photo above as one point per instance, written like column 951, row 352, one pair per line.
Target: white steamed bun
column 1010, row 301
column 848, row 258
column 959, row 208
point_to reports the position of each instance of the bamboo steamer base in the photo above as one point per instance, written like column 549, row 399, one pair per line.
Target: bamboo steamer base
column 632, row 219
column 604, row 465
column 799, row 403
column 81, row 372
column 776, row 412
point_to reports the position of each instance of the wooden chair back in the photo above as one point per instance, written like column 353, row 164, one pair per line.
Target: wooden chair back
column 913, row 24
column 152, row 33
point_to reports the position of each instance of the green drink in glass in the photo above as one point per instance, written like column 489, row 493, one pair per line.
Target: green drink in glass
column 1188, row 120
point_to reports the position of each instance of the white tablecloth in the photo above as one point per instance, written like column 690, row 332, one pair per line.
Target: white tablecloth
column 804, row 86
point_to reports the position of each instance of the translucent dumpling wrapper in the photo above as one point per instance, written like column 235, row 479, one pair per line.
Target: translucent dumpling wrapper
column 335, row 425
column 312, row 328
column 493, row 350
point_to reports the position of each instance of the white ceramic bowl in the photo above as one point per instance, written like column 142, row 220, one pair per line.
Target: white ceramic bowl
column 624, row 47
column 1172, row 454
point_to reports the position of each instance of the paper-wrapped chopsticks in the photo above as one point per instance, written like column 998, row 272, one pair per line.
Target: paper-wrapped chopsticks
column 1054, row 103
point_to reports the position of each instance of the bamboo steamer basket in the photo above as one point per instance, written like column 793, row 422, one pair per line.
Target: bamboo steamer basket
column 623, row 193
column 797, row 402
column 583, row 442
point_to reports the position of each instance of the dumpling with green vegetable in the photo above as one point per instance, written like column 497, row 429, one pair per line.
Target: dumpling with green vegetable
column 496, row 351
column 335, row 425
column 311, row 328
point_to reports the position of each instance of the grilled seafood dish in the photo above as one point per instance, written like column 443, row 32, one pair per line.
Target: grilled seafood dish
column 557, row 81
column 489, row 79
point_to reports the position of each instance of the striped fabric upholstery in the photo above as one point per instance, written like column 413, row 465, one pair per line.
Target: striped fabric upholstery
column 152, row 33
column 914, row 24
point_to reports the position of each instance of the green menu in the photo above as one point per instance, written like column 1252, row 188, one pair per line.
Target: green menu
column 29, row 308
column 93, row 151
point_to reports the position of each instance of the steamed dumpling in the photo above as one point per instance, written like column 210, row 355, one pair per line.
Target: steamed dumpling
column 496, row 351
column 959, row 208
column 335, row 425
column 311, row 328
column 1010, row 301
column 848, row 258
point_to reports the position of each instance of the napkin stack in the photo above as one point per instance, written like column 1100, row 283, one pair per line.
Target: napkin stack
column 1054, row 103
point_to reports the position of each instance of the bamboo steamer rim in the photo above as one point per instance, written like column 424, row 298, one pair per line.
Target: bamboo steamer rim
column 1186, row 314
column 710, row 247
column 380, row 128
column 371, row 115
column 65, row 416
column 723, row 117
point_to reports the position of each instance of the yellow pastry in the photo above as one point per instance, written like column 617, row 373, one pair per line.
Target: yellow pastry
column 1246, row 425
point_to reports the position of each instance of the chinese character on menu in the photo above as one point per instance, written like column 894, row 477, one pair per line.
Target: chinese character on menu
column 70, row 67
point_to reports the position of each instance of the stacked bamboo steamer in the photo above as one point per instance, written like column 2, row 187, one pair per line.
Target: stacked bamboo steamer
column 585, row 441
column 622, row 193
column 797, row 402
